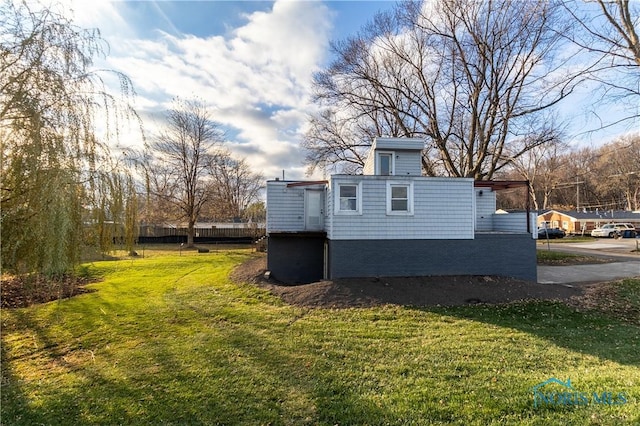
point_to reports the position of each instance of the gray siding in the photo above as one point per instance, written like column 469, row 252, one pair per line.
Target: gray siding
column 407, row 152
column 443, row 208
column 390, row 144
column 328, row 212
column 514, row 222
column 408, row 163
column 285, row 207
column 509, row 255
column 485, row 209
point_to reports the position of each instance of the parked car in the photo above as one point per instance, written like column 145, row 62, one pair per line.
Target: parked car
column 611, row 230
column 551, row 232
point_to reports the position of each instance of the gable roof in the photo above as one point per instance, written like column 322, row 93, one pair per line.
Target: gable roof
column 598, row 215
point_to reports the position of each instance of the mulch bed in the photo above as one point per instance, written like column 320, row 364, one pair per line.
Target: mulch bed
column 18, row 292
column 407, row 291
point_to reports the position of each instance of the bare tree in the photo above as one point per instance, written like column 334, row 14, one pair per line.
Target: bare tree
column 574, row 187
column 335, row 144
column 540, row 167
column 176, row 161
column 468, row 76
column 603, row 178
column 617, row 172
column 234, row 187
column 609, row 29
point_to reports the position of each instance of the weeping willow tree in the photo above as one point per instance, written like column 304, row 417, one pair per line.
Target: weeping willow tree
column 51, row 160
column 111, row 212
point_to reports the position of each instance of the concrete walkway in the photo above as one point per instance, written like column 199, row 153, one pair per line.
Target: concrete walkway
column 588, row 273
column 625, row 263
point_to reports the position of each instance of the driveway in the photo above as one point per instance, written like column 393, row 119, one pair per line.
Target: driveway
column 625, row 262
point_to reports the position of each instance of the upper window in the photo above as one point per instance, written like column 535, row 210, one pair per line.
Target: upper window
column 385, row 163
column 348, row 198
column 399, row 198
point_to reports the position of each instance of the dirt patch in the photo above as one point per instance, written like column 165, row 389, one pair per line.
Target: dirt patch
column 18, row 292
column 408, row 291
column 606, row 298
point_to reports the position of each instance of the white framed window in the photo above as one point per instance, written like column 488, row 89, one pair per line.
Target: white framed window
column 400, row 198
column 348, row 198
column 386, row 163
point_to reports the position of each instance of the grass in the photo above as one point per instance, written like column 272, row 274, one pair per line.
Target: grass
column 548, row 257
column 570, row 239
column 167, row 339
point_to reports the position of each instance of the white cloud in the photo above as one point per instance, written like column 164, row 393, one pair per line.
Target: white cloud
column 257, row 78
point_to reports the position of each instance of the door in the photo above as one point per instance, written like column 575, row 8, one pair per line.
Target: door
column 313, row 211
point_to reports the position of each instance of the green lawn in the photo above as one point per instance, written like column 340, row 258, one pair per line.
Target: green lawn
column 167, row 339
column 548, row 257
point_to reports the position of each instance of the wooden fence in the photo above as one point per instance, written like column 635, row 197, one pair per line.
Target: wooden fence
column 157, row 234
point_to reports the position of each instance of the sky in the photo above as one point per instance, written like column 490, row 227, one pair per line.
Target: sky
column 251, row 62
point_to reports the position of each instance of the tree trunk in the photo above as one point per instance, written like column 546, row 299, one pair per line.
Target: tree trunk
column 190, row 233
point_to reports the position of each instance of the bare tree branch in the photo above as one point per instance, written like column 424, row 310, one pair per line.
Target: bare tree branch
column 465, row 75
column 176, row 161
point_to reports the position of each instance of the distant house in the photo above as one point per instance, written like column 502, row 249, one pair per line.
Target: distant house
column 392, row 221
column 584, row 222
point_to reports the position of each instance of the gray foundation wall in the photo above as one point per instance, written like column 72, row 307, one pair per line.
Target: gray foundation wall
column 509, row 255
column 296, row 258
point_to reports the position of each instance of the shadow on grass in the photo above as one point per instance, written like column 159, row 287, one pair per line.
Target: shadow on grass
column 250, row 380
column 591, row 333
column 213, row 363
column 17, row 408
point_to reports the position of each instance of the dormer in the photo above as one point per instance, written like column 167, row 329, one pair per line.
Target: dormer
column 394, row 157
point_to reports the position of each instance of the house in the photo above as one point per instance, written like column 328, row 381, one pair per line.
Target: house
column 392, row 221
column 583, row 222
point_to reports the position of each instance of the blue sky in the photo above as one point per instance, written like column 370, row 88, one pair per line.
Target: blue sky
column 252, row 62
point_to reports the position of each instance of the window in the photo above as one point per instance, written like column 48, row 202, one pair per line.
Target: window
column 399, row 198
column 385, row 163
column 348, row 199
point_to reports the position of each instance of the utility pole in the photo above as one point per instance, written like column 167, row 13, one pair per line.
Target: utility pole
column 577, row 194
column 570, row 184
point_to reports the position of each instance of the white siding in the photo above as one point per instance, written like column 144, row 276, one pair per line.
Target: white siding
column 443, row 209
column 285, row 207
column 533, row 219
column 485, row 209
column 511, row 222
column 369, row 164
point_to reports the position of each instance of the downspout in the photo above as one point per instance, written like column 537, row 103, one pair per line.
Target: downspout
column 528, row 207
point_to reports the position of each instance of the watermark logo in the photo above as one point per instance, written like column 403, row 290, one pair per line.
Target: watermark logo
column 554, row 392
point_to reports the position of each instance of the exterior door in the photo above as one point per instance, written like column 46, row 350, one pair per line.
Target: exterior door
column 313, row 211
